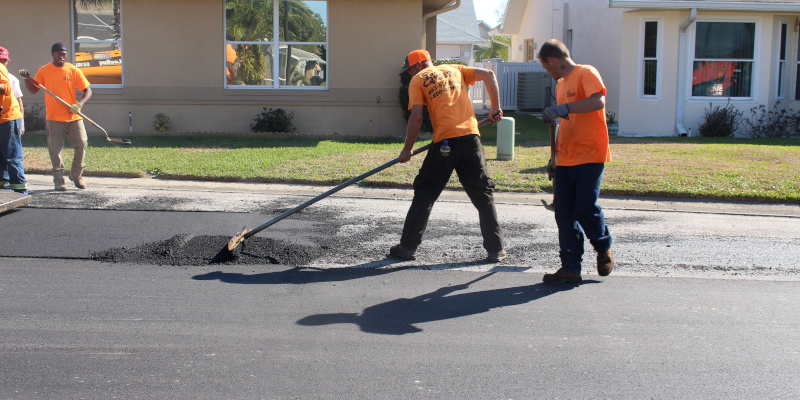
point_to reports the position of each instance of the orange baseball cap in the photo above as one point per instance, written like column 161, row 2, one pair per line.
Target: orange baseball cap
column 414, row 58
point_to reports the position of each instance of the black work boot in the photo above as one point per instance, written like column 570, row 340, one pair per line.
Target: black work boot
column 402, row 252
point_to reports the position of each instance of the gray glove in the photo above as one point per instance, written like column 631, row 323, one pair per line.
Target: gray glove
column 552, row 113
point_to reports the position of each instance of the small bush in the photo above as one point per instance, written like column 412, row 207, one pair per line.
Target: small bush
column 161, row 122
column 611, row 118
column 273, row 120
column 34, row 121
column 720, row 121
column 773, row 124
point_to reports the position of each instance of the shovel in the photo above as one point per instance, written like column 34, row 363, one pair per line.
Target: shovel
column 109, row 139
column 246, row 233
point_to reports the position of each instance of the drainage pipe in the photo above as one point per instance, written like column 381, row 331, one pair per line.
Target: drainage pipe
column 682, row 59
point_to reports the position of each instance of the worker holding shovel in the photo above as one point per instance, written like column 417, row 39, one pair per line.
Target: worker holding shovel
column 11, row 169
column 63, row 79
column 582, row 148
column 456, row 146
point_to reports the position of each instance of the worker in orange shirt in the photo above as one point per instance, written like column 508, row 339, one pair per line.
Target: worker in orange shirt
column 582, row 149
column 63, row 79
column 11, row 168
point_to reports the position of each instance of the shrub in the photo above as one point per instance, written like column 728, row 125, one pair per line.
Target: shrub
column 273, row 120
column 611, row 118
column 720, row 121
column 161, row 122
column 427, row 126
column 34, row 121
column 773, row 124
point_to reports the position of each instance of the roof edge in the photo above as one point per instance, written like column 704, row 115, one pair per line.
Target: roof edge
column 705, row 5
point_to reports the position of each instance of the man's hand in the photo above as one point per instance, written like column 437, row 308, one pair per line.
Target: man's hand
column 24, row 73
column 405, row 155
column 551, row 169
column 495, row 115
column 553, row 113
column 76, row 108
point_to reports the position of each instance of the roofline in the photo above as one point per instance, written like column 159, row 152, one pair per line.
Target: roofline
column 706, row 5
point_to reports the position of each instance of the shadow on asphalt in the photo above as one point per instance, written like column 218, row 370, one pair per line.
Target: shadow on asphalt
column 303, row 275
column 397, row 317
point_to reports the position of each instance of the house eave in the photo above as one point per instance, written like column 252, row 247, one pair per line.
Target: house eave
column 706, row 5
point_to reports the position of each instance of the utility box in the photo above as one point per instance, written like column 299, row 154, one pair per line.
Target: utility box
column 505, row 139
column 533, row 91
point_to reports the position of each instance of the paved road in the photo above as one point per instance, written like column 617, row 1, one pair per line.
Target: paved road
column 703, row 305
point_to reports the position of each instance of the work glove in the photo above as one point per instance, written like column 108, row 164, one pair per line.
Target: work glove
column 75, row 108
column 24, row 73
column 551, row 169
column 552, row 113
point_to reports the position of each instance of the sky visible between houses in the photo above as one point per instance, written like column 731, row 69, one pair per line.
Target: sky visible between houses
column 490, row 11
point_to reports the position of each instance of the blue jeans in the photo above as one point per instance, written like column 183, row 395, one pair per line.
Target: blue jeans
column 11, row 151
column 577, row 189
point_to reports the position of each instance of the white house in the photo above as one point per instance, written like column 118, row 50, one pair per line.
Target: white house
column 665, row 62
column 457, row 33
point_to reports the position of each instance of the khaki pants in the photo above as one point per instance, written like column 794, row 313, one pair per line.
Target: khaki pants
column 76, row 133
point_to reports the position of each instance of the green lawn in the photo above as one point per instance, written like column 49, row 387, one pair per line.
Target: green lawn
column 765, row 170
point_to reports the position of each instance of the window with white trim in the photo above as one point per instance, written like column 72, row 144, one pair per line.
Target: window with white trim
column 276, row 44
column 650, row 53
column 781, row 76
column 723, row 59
column 97, row 41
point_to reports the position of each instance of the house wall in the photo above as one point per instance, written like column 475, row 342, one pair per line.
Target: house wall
column 647, row 117
column 174, row 63
column 596, row 30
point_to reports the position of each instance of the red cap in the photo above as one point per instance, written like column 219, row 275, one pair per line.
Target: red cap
column 414, row 58
column 4, row 54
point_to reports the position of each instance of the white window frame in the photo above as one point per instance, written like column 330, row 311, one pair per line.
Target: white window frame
column 756, row 59
column 795, row 56
column 276, row 43
column 118, row 42
column 659, row 58
column 780, row 73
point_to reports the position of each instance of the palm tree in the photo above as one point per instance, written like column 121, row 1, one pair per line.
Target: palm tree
column 300, row 24
column 497, row 49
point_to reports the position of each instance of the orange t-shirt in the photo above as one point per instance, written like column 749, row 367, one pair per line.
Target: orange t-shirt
column 62, row 81
column 443, row 89
column 583, row 138
column 9, row 103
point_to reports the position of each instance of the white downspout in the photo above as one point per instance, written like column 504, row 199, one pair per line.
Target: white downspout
column 682, row 71
column 433, row 14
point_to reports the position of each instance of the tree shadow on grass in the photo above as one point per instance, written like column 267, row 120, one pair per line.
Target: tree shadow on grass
column 397, row 317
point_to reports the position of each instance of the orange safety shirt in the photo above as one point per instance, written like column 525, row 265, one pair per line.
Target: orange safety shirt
column 9, row 103
column 443, row 89
column 583, row 138
column 62, row 81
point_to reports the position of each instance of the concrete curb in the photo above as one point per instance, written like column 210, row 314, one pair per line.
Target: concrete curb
column 43, row 183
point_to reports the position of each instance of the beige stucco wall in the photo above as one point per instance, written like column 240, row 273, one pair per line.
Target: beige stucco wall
column 173, row 63
column 645, row 117
column 596, row 31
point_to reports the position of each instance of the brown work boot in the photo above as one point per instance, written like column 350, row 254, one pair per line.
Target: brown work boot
column 605, row 263
column 78, row 182
column 561, row 276
column 60, row 187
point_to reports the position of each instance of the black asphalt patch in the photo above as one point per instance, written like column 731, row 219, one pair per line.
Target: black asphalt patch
column 187, row 250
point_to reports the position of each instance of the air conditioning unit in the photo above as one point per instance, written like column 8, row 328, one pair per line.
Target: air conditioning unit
column 533, row 91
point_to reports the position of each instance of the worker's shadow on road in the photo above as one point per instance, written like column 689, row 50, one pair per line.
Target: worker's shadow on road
column 304, row 275
column 397, row 317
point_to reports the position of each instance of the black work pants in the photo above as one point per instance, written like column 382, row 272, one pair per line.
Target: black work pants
column 467, row 159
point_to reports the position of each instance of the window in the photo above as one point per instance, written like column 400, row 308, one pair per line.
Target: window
column 97, row 41
column 781, row 63
column 650, row 72
column 530, row 50
column 276, row 44
column 723, row 59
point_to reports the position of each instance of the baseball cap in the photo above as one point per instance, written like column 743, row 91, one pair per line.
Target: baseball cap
column 58, row 46
column 415, row 57
column 4, row 54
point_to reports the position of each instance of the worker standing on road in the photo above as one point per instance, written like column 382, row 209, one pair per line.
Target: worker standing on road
column 13, row 172
column 582, row 150
column 456, row 146
column 63, row 79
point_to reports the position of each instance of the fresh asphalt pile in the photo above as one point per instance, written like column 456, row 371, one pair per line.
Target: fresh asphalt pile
column 187, row 250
